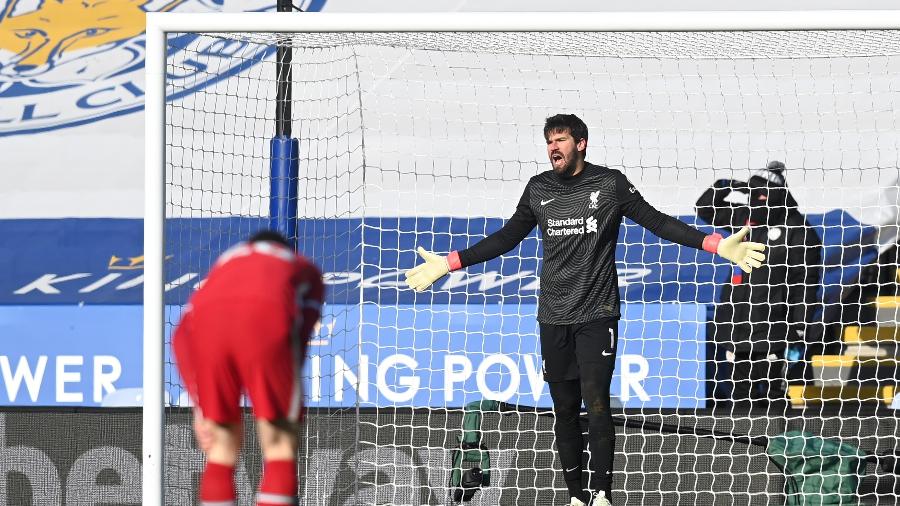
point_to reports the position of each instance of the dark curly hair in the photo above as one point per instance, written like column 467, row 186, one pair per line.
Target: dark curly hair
column 563, row 122
column 269, row 236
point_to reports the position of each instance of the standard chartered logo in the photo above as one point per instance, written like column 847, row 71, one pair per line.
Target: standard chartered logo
column 571, row 226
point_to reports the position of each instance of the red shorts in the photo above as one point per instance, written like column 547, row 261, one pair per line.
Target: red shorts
column 234, row 347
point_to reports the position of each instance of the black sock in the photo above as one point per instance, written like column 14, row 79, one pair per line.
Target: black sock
column 574, row 487
column 567, row 428
column 595, row 383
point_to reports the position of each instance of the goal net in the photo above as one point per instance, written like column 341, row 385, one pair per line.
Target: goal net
column 427, row 139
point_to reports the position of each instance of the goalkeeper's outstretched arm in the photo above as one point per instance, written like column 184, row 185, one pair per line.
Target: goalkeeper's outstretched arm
column 513, row 231
column 747, row 255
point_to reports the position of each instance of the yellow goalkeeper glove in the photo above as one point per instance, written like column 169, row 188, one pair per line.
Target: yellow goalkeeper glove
column 747, row 255
column 435, row 267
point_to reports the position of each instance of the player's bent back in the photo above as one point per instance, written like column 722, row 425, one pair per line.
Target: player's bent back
column 247, row 328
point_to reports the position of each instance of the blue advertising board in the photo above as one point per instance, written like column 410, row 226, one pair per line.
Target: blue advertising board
column 100, row 261
column 455, row 354
column 376, row 356
column 69, row 355
column 70, row 320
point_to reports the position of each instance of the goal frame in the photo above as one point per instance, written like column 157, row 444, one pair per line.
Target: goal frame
column 160, row 24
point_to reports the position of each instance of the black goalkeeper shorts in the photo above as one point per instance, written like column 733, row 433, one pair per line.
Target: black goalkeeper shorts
column 567, row 349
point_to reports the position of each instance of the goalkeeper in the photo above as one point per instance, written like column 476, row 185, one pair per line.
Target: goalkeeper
column 579, row 208
column 246, row 329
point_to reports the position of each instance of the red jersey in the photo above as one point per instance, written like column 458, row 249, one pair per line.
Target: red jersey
column 246, row 329
column 263, row 272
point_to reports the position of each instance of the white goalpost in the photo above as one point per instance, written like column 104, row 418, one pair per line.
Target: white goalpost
column 422, row 130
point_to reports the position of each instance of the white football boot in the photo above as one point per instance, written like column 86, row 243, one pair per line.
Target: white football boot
column 599, row 499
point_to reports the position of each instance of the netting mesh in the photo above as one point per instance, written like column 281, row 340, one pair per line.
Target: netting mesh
column 723, row 44
column 428, row 139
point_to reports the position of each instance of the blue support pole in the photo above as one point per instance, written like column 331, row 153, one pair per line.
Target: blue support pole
column 284, row 172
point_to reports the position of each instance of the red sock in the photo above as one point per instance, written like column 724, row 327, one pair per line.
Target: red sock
column 279, row 483
column 217, row 483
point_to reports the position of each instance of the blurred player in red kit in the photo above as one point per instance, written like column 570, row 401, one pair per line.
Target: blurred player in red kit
column 246, row 330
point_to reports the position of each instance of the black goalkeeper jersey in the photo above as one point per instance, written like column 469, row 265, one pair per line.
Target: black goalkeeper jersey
column 579, row 218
